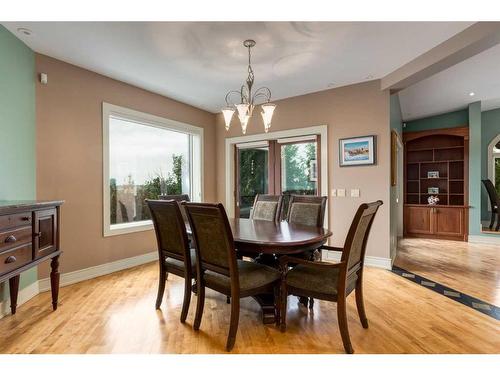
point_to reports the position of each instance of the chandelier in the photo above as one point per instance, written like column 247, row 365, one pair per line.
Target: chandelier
column 247, row 99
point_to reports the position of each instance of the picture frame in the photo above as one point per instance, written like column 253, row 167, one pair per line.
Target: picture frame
column 358, row 151
column 432, row 190
column 433, row 174
column 313, row 170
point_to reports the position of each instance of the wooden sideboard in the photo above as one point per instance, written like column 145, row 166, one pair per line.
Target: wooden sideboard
column 29, row 235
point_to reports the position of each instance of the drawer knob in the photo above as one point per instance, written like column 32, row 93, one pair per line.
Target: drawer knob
column 25, row 218
column 10, row 259
column 10, row 239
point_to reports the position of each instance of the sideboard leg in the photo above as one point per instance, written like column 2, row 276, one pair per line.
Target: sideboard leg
column 14, row 289
column 54, row 281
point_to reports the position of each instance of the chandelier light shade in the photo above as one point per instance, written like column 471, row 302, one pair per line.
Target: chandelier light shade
column 247, row 100
column 228, row 115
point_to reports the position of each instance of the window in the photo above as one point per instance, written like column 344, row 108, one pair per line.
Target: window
column 145, row 156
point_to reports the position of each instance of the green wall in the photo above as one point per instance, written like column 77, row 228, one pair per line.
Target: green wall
column 490, row 129
column 475, row 168
column 446, row 120
column 17, row 127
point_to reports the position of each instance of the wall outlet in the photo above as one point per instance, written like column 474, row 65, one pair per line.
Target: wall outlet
column 340, row 192
column 334, row 192
column 355, row 193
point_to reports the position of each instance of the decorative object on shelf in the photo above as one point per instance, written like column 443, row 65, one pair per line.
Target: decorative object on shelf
column 247, row 99
column 432, row 190
column 357, row 151
column 433, row 174
column 433, row 200
column 313, row 170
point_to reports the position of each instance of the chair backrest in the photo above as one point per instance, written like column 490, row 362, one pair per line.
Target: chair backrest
column 306, row 210
column 492, row 194
column 213, row 238
column 178, row 198
column 175, row 197
column 170, row 230
column 355, row 244
column 267, row 207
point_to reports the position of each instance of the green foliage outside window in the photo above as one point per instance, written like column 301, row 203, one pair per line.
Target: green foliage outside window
column 151, row 189
column 497, row 174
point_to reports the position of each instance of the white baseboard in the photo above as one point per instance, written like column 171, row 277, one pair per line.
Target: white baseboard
column 488, row 239
column 24, row 296
column 100, row 270
column 370, row 261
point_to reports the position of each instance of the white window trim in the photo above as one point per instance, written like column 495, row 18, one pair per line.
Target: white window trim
column 307, row 133
column 196, row 169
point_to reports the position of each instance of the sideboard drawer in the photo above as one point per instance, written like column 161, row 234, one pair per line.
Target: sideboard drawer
column 15, row 220
column 15, row 258
column 15, row 237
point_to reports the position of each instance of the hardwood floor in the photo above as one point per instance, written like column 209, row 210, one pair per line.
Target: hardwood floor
column 471, row 268
column 116, row 314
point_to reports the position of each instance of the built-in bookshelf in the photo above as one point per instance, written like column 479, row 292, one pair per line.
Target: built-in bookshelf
column 435, row 162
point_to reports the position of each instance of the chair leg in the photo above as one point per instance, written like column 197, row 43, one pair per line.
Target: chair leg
column 228, row 300
column 498, row 222
column 187, row 299
column 161, row 286
column 200, row 304
column 360, row 304
column 492, row 220
column 284, row 300
column 344, row 330
column 233, row 327
column 277, row 304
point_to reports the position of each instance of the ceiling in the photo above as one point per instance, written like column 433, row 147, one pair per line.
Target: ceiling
column 449, row 90
column 198, row 62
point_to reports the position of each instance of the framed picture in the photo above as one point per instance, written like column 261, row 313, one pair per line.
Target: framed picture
column 357, row 151
column 433, row 190
column 433, row 174
column 313, row 170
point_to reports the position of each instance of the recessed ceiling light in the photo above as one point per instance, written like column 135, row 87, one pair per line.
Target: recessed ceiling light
column 24, row 31
column 471, row 93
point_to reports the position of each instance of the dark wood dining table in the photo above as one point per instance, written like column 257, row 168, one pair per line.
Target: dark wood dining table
column 268, row 240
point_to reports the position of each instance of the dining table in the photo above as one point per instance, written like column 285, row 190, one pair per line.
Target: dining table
column 266, row 241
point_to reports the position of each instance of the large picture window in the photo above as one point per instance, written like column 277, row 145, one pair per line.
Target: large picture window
column 144, row 157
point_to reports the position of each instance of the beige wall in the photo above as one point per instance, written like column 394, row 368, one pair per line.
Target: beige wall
column 69, row 156
column 349, row 111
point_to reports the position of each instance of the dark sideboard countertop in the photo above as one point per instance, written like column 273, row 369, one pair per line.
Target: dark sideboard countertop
column 16, row 206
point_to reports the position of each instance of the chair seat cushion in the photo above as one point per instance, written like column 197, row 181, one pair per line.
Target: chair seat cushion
column 318, row 279
column 179, row 264
column 251, row 275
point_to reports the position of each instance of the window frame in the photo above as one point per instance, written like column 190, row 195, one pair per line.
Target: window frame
column 492, row 154
column 196, row 143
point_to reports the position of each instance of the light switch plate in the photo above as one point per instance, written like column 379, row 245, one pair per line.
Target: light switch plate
column 355, row 193
column 334, row 192
column 340, row 192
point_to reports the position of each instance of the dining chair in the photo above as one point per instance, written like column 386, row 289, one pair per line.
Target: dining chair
column 306, row 210
column 333, row 281
column 267, row 207
column 174, row 253
column 494, row 203
column 218, row 269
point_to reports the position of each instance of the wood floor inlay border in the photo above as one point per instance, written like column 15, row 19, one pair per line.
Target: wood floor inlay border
column 460, row 297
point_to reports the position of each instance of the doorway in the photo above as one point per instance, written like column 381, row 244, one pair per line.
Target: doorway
column 277, row 166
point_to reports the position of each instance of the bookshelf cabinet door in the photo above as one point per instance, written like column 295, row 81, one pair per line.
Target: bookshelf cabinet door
column 418, row 221
column 449, row 222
